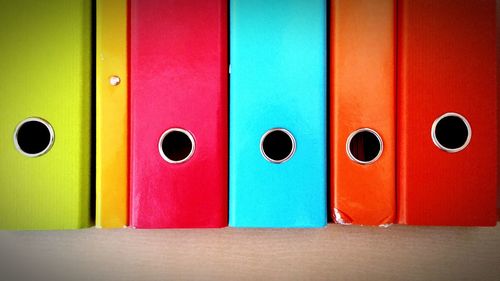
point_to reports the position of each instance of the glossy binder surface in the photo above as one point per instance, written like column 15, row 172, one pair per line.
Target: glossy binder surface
column 278, row 80
column 112, row 114
column 179, row 72
column 363, row 96
column 447, row 64
column 46, row 73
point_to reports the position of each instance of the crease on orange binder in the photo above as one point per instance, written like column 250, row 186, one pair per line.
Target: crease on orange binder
column 447, row 113
column 112, row 114
column 363, row 112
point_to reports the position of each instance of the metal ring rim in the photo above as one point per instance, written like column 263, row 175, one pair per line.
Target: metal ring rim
column 185, row 132
column 444, row 148
column 289, row 156
column 348, row 144
column 47, row 125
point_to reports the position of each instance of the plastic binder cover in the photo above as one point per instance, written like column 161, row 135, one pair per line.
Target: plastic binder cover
column 179, row 72
column 447, row 124
column 363, row 124
column 112, row 114
column 45, row 94
column 278, row 90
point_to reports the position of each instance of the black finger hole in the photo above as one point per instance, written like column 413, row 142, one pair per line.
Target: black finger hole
column 278, row 145
column 176, row 146
column 34, row 137
column 364, row 146
column 451, row 132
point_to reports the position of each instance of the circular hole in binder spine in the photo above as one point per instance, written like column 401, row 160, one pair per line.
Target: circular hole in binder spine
column 451, row 132
column 176, row 146
column 364, row 146
column 34, row 137
column 277, row 145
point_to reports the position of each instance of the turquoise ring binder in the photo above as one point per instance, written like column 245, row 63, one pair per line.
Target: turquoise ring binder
column 278, row 80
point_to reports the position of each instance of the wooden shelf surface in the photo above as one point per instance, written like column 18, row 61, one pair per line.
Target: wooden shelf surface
column 334, row 253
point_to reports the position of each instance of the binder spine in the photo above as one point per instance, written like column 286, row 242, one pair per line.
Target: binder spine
column 278, row 113
column 179, row 64
column 447, row 113
column 363, row 112
column 112, row 113
column 45, row 108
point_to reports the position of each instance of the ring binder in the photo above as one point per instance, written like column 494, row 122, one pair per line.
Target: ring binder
column 447, row 113
column 178, row 126
column 363, row 161
column 112, row 113
column 45, row 108
column 277, row 174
